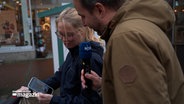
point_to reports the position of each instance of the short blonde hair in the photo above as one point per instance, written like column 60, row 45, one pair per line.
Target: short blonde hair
column 70, row 15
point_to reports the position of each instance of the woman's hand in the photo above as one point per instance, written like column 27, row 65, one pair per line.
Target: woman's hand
column 23, row 88
column 44, row 98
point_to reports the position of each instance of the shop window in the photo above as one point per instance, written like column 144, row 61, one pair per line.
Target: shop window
column 8, row 29
column 178, row 7
column 10, row 24
column 179, row 25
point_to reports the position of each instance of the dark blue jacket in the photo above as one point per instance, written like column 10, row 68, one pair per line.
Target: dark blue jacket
column 68, row 78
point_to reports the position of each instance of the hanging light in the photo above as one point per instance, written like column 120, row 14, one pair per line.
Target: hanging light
column 176, row 3
column 175, row 10
column 2, row 5
column 4, row 2
column 17, row 2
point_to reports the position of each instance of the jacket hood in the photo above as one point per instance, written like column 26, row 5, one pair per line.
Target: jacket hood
column 97, row 48
column 158, row 12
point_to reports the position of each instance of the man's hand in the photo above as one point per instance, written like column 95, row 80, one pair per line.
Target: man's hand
column 96, row 80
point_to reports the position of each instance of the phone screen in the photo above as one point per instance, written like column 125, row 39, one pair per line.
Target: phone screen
column 38, row 86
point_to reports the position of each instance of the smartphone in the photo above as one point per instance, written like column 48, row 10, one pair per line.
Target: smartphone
column 39, row 86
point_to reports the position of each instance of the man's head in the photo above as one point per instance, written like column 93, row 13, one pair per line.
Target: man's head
column 111, row 4
column 97, row 13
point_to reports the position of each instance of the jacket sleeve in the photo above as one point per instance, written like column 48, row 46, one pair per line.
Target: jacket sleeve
column 97, row 63
column 134, row 73
column 54, row 81
column 87, row 96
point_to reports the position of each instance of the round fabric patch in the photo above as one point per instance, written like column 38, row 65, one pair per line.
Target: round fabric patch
column 127, row 74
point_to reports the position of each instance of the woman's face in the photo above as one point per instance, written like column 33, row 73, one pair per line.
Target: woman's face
column 70, row 36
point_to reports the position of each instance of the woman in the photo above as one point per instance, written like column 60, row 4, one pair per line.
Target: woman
column 72, row 32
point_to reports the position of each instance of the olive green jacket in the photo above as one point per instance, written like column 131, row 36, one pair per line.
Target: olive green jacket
column 140, row 64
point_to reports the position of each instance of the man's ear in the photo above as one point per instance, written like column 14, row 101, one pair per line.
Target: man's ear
column 100, row 10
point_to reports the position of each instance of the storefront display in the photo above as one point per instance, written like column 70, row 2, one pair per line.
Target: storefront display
column 40, row 43
column 8, row 28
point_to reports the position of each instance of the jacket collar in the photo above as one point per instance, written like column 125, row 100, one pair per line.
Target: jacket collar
column 112, row 24
column 74, row 51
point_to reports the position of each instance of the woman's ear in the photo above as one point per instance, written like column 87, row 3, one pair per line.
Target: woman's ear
column 82, row 33
column 80, row 30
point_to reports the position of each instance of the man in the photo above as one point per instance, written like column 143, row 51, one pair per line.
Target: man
column 140, row 64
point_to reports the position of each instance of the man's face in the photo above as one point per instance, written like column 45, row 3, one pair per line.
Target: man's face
column 89, row 19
